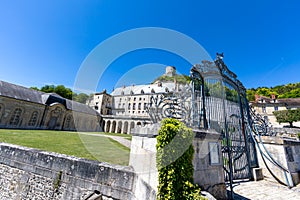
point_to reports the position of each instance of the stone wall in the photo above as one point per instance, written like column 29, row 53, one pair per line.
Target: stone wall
column 27, row 173
column 208, row 176
column 287, row 153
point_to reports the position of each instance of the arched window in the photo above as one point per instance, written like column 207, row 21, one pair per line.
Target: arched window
column 1, row 111
column 33, row 119
column 15, row 117
column 68, row 121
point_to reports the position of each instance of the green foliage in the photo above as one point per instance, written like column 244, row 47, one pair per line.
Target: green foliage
column 287, row 116
column 81, row 97
column 181, row 79
column 63, row 92
column 57, row 181
column 35, row 88
column 174, row 162
column 291, row 94
column 264, row 92
column 291, row 90
column 251, row 94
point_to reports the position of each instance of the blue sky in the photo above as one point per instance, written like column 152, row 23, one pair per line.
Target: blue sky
column 46, row 42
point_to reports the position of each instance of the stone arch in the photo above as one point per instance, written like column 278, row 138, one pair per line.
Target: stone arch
column 113, row 127
column 125, row 127
column 107, row 128
column 1, row 111
column 55, row 115
column 131, row 126
column 103, row 125
column 119, row 127
column 139, row 123
column 33, row 119
column 15, row 118
column 69, row 123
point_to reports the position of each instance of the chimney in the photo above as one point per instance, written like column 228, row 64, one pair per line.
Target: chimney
column 256, row 97
column 273, row 96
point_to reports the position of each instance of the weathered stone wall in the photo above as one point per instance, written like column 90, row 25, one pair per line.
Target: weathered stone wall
column 9, row 105
column 209, row 177
column 286, row 153
column 27, row 173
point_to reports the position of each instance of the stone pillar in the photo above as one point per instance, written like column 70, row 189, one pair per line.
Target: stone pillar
column 208, row 165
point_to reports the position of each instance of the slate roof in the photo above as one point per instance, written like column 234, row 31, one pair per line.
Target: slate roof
column 147, row 89
column 295, row 102
column 27, row 94
column 20, row 92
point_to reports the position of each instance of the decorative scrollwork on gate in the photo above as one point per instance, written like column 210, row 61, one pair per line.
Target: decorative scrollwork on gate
column 171, row 105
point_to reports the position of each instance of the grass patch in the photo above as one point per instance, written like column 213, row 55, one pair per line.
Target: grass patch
column 84, row 146
column 126, row 136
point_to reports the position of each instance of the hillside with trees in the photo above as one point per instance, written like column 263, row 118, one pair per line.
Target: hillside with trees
column 63, row 92
column 291, row 90
column 181, row 79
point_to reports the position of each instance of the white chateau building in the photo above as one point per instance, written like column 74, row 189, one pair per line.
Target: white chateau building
column 125, row 107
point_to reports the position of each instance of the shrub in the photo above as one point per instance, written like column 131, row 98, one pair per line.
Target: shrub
column 174, row 162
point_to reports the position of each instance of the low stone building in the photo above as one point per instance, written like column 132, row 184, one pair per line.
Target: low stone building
column 23, row 108
column 265, row 106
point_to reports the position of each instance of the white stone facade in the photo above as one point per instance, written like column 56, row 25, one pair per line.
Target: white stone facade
column 266, row 106
column 126, row 107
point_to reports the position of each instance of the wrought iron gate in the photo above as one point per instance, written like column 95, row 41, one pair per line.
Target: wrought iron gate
column 216, row 100
column 219, row 103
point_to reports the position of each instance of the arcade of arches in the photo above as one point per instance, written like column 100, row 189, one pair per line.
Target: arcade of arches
column 119, row 126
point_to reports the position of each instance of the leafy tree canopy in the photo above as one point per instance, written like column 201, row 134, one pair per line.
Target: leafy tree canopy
column 63, row 92
column 287, row 116
column 291, row 90
column 181, row 79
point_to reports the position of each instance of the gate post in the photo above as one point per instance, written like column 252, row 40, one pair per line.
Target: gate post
column 208, row 162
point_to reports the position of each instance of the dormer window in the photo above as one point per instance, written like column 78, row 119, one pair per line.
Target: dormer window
column 152, row 90
column 142, row 91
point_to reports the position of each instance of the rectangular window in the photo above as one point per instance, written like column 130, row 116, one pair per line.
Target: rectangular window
column 140, row 106
column 133, row 107
column 264, row 109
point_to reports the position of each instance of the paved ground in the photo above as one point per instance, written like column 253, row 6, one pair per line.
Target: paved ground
column 265, row 189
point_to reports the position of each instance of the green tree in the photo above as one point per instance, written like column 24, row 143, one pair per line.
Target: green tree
column 264, row 92
column 174, row 140
column 291, row 94
column 287, row 116
column 81, row 97
column 35, row 88
column 48, row 88
column 251, row 94
column 63, row 91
